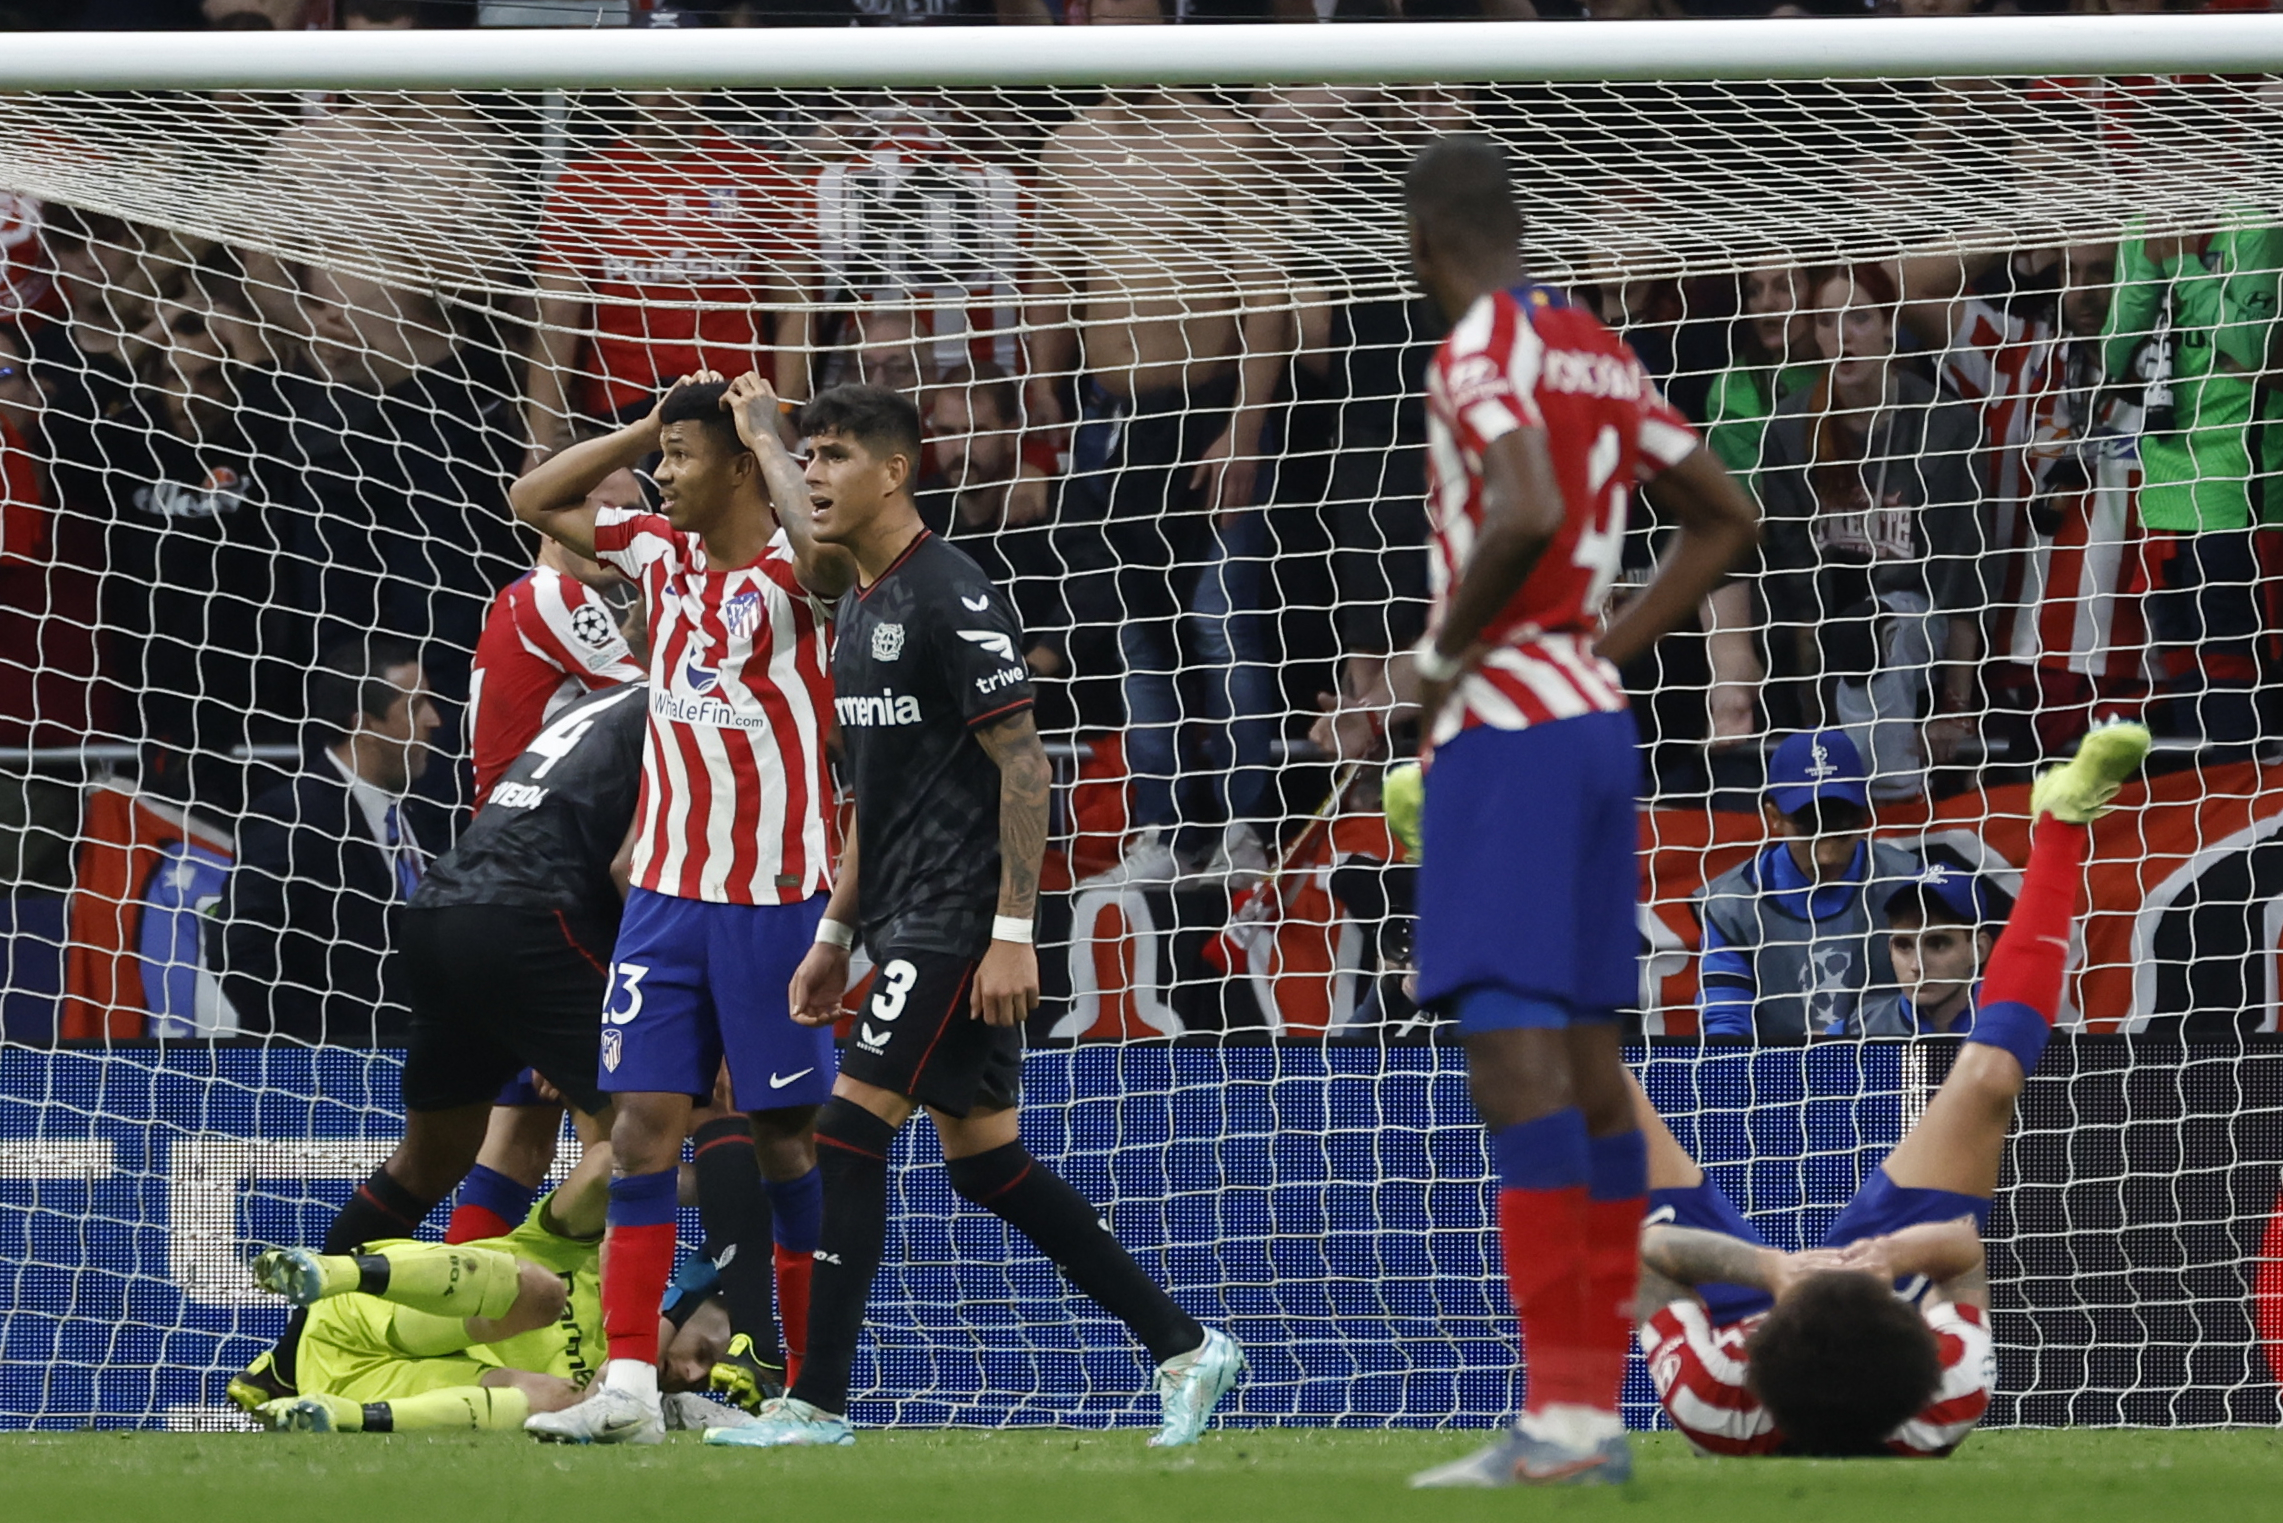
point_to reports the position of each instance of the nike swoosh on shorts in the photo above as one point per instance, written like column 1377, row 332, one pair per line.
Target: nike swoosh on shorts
column 777, row 1083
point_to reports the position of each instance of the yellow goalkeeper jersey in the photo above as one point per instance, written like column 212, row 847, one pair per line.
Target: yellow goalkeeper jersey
column 349, row 1346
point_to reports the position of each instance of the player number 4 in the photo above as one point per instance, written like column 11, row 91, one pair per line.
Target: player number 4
column 1600, row 544
column 558, row 740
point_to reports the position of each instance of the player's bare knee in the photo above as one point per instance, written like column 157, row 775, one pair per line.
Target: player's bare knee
column 646, row 1133
column 546, row 1393
column 1519, row 1075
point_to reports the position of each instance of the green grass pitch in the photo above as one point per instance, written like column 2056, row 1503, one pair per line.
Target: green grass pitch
column 1055, row 1476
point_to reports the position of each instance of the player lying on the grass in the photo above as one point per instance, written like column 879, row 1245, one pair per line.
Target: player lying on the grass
column 404, row 1335
column 1876, row 1341
column 941, row 876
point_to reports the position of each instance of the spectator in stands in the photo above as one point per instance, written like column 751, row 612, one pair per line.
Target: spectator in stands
column 2191, row 330
column 2061, row 474
column 1159, row 278
column 327, row 861
column 883, row 350
column 1348, row 552
column 1776, row 356
column 997, row 497
column 1874, row 541
column 195, row 558
column 1944, row 925
column 1795, row 942
column 389, row 476
column 674, row 212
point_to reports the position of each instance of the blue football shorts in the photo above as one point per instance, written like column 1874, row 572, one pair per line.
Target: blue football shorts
column 692, row 983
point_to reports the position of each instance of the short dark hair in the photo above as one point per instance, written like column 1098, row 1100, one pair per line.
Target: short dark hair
column 983, row 378
column 701, row 404
column 1842, row 1362
column 1461, row 193
column 352, row 679
column 885, row 422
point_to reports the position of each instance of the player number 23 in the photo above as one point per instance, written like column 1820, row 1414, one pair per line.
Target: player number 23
column 896, row 981
column 626, row 993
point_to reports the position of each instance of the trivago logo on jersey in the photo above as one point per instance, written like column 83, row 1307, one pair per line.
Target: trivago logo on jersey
column 890, row 708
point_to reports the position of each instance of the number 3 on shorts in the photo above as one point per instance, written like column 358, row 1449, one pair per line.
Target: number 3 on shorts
column 625, row 1002
column 896, row 981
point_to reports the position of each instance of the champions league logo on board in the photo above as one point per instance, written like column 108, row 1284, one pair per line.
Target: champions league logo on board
column 887, row 641
column 740, row 614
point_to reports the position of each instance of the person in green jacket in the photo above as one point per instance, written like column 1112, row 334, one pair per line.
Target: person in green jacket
column 2190, row 330
column 1775, row 343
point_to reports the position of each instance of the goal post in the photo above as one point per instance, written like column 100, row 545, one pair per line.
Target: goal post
column 281, row 315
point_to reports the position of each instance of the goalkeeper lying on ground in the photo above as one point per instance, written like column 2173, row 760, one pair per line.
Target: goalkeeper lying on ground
column 1877, row 1341
column 404, row 1335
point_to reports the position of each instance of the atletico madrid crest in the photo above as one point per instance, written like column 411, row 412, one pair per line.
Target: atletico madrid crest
column 612, row 1048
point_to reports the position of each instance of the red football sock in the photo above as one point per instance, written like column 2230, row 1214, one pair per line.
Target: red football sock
column 2027, row 964
column 793, row 1307
column 1612, row 1282
column 471, row 1223
column 1543, row 1235
column 637, row 1263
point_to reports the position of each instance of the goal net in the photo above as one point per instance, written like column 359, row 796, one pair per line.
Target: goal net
column 1987, row 339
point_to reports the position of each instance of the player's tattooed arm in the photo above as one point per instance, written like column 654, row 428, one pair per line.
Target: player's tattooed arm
column 554, row 495
column 1006, row 985
column 1949, row 1253
column 826, row 571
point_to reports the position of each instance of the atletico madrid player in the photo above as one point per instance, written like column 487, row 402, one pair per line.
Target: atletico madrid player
column 729, row 866
column 1877, row 1341
column 1540, row 424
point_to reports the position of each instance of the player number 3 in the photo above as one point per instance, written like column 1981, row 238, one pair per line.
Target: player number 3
column 896, row 981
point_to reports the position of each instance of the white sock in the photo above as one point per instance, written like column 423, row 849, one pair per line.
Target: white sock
column 631, row 1375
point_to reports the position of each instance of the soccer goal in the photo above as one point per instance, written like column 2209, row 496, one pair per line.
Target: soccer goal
column 1984, row 311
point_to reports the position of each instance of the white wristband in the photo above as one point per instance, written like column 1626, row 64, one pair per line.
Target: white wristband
column 835, row 933
column 1431, row 664
column 1011, row 928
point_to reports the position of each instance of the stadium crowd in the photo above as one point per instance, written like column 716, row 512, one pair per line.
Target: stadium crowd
column 2004, row 496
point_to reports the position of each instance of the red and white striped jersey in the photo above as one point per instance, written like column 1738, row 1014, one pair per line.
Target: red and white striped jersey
column 1698, row 1370
column 734, row 786
column 547, row 639
column 2002, row 362
column 2064, row 601
column 1528, row 359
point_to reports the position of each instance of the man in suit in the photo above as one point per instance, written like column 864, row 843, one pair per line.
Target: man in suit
column 328, row 860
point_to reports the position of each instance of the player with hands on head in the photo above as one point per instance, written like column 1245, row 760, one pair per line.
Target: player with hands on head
column 1541, row 423
column 730, row 858
column 940, row 876
column 1876, row 1341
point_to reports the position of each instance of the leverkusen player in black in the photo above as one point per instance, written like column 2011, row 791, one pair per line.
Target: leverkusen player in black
column 937, row 737
column 506, row 943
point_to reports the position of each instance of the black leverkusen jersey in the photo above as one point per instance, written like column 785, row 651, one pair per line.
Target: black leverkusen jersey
column 923, row 657
column 555, row 818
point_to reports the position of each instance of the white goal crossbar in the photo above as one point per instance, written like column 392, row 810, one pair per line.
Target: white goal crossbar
column 1967, row 47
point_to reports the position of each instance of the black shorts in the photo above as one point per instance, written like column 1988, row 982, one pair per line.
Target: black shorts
column 918, row 1037
column 494, row 990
